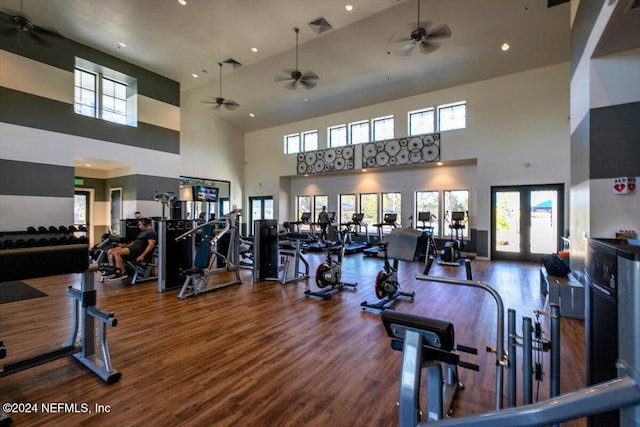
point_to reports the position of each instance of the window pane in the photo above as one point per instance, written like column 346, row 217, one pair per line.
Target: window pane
column 427, row 201
column 318, row 203
column 456, row 201
column 108, row 87
column 338, row 136
column 452, row 116
column 310, row 141
column 392, row 203
column 120, row 91
column 359, row 132
column 303, row 204
column 383, row 129
column 120, row 107
column 421, row 122
column 347, row 207
column 291, row 144
column 369, row 207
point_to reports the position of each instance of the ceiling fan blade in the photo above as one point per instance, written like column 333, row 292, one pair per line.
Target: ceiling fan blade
column 307, row 84
column 428, row 47
column 281, row 78
column 310, row 75
column 437, row 32
column 9, row 32
column 406, row 49
column 210, row 100
column 39, row 39
column 293, row 84
column 230, row 104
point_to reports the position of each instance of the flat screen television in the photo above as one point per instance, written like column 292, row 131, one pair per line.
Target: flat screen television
column 205, row 194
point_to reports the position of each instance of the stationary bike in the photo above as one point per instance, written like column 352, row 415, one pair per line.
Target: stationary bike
column 387, row 287
column 329, row 273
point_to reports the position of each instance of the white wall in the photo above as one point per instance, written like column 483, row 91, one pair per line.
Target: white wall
column 210, row 147
column 518, row 133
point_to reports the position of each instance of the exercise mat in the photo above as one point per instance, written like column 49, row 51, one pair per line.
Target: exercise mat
column 18, row 291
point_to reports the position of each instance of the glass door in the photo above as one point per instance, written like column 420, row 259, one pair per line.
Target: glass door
column 115, row 197
column 261, row 208
column 527, row 221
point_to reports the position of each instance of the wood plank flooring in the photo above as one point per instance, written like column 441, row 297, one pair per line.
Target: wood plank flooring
column 264, row 354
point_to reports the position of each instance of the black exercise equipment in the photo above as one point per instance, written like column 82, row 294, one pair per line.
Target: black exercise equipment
column 352, row 228
column 424, row 217
column 265, row 249
column 451, row 251
column 387, row 287
column 329, row 275
column 388, row 220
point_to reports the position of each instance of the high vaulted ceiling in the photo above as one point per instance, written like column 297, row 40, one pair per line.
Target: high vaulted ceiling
column 356, row 60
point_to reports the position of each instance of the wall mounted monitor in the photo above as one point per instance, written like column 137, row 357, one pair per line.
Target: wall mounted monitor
column 205, row 194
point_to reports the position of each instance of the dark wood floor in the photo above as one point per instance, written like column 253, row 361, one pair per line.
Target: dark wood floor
column 264, row 354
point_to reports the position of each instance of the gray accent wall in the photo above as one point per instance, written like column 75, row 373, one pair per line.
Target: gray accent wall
column 615, row 141
column 35, row 179
column 33, row 111
column 62, row 55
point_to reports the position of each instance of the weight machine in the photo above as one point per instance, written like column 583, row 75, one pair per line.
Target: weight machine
column 622, row 393
column 209, row 260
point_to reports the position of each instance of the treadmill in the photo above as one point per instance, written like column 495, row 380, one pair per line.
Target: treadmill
column 318, row 245
column 388, row 220
column 352, row 228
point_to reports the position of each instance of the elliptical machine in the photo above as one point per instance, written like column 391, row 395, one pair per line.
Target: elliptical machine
column 387, row 286
column 451, row 251
column 329, row 273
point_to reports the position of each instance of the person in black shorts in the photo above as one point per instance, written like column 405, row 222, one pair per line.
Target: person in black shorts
column 140, row 248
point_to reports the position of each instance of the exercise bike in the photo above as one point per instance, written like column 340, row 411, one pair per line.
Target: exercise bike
column 329, row 274
column 387, row 287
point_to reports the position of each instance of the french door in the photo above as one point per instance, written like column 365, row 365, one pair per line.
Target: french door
column 527, row 221
column 260, row 208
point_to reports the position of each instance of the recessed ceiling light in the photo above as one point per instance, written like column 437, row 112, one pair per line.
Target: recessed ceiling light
column 505, row 47
column 195, row 76
column 254, row 49
column 183, row 2
column 251, row 115
column 348, row 7
column 307, row 100
column 122, row 44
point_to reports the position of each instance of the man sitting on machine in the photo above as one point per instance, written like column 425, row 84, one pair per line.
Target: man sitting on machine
column 140, row 248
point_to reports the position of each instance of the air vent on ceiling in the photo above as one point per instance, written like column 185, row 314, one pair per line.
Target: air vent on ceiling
column 232, row 62
column 553, row 3
column 320, row 25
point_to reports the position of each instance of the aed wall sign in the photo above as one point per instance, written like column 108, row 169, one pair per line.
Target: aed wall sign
column 623, row 185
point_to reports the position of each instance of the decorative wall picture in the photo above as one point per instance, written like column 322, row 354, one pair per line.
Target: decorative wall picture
column 402, row 151
column 329, row 160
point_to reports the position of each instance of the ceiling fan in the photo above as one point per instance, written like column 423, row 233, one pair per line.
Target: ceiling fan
column 428, row 36
column 308, row 80
column 218, row 102
column 18, row 25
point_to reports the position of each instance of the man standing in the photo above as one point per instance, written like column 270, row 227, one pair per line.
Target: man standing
column 324, row 221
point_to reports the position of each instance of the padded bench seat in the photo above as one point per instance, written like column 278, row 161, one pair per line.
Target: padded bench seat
column 567, row 292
